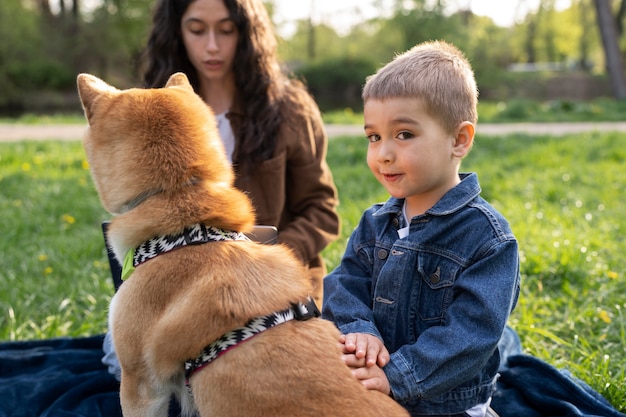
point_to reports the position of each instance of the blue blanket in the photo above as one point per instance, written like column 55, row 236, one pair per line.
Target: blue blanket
column 530, row 387
column 64, row 377
column 56, row 378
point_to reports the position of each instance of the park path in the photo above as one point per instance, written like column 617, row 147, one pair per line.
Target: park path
column 20, row 132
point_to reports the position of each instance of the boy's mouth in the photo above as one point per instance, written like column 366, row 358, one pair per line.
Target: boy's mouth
column 391, row 177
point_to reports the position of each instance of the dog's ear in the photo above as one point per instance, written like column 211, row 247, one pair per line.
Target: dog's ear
column 179, row 79
column 89, row 88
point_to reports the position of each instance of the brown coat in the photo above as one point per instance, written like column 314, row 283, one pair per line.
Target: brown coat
column 294, row 189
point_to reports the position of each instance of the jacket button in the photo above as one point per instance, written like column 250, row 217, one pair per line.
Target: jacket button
column 382, row 254
column 436, row 276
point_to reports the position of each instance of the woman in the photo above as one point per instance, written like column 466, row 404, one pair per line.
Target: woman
column 271, row 128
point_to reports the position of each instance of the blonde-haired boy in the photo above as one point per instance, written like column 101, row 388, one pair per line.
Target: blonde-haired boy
column 429, row 278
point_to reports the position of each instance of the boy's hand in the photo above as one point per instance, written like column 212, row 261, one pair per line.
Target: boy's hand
column 366, row 355
column 373, row 377
column 363, row 350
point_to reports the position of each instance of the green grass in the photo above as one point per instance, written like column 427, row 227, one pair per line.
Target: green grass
column 564, row 198
column 54, row 275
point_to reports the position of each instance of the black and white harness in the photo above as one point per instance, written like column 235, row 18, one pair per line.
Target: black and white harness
column 198, row 234
column 299, row 311
column 192, row 235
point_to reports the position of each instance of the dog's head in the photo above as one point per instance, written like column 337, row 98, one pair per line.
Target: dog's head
column 146, row 141
column 156, row 156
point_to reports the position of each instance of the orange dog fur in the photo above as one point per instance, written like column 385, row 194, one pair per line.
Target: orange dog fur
column 160, row 149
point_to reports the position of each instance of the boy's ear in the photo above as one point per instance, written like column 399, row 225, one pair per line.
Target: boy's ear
column 464, row 139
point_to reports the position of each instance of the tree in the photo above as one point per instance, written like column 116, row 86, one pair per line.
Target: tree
column 614, row 61
column 619, row 19
column 586, row 23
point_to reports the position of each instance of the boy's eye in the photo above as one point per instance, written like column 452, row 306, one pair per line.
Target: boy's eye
column 373, row 138
column 405, row 135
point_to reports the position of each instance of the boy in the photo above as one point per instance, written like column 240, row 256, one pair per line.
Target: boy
column 429, row 278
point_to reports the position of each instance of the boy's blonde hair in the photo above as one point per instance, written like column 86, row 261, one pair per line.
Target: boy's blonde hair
column 437, row 73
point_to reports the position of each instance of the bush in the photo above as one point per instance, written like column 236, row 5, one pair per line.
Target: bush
column 336, row 83
column 41, row 75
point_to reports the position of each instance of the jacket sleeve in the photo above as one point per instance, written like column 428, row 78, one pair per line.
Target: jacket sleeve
column 310, row 220
column 348, row 289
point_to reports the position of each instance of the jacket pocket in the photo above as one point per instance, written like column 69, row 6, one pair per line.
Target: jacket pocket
column 437, row 279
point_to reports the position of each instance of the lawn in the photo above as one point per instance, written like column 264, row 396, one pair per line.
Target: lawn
column 564, row 198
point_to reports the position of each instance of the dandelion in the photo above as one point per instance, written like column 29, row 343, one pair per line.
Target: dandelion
column 69, row 219
column 47, row 270
column 604, row 316
column 26, row 167
column 85, row 165
column 612, row 274
column 42, row 257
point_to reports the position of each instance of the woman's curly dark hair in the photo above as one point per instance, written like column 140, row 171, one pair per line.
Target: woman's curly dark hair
column 262, row 87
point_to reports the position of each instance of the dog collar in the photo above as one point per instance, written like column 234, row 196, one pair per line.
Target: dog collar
column 141, row 197
column 299, row 311
column 138, row 199
column 192, row 235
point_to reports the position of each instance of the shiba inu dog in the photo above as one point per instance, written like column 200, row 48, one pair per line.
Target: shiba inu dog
column 224, row 323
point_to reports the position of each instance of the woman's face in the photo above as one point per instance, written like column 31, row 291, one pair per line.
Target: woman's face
column 210, row 37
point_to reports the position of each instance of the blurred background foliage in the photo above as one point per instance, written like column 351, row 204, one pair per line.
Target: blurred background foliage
column 550, row 54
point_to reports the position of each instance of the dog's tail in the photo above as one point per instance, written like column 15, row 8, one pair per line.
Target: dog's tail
column 187, row 405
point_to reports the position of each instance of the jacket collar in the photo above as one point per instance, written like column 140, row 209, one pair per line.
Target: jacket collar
column 455, row 199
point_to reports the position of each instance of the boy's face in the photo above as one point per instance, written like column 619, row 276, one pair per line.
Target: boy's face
column 409, row 152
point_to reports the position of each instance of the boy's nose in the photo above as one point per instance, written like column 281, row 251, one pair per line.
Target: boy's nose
column 385, row 152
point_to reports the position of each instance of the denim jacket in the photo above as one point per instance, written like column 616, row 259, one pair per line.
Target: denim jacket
column 439, row 298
